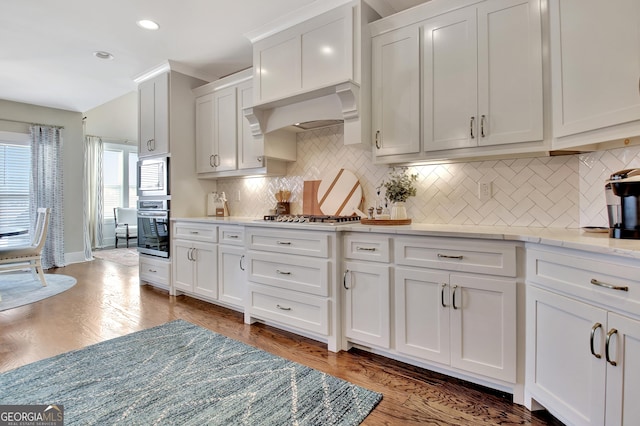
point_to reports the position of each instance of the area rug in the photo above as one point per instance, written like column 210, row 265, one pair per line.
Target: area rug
column 123, row 256
column 20, row 288
column 180, row 373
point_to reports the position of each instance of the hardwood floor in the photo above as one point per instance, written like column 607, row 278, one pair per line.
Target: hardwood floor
column 107, row 302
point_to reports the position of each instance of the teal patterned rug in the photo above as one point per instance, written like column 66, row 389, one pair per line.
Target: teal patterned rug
column 182, row 374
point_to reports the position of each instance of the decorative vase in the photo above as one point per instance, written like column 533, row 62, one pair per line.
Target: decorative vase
column 398, row 210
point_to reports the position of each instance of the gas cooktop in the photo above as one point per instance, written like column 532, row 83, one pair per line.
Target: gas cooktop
column 311, row 219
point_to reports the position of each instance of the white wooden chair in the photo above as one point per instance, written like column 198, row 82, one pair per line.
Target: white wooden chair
column 126, row 224
column 16, row 258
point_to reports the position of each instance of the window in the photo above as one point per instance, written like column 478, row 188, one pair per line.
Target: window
column 15, row 171
column 120, row 178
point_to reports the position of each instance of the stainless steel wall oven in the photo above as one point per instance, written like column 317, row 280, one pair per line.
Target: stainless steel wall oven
column 153, row 227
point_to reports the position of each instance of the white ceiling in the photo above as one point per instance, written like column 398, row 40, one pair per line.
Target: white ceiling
column 46, row 47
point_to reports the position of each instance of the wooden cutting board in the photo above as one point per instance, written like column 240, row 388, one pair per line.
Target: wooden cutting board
column 310, row 198
column 339, row 193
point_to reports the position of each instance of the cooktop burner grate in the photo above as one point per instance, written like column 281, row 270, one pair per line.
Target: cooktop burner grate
column 326, row 219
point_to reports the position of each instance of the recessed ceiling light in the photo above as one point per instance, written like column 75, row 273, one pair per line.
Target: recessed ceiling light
column 147, row 24
column 101, row 54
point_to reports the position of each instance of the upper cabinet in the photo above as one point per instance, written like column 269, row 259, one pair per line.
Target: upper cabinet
column 475, row 73
column 225, row 144
column 153, row 113
column 595, row 59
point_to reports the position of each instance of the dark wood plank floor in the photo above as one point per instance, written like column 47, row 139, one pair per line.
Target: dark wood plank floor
column 108, row 302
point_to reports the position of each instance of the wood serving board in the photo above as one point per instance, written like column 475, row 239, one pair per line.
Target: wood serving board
column 385, row 221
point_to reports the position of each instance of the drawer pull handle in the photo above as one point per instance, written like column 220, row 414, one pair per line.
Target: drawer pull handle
column 366, row 249
column 444, row 286
column 194, row 232
column 284, row 243
column 283, row 308
column 610, row 286
column 278, row 271
column 344, row 280
column 153, row 270
column 233, row 237
column 446, row 256
column 606, row 350
column 591, row 339
column 453, row 300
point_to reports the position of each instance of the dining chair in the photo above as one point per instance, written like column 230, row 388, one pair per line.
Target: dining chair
column 20, row 257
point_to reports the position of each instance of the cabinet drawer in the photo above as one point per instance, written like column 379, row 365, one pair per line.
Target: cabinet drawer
column 233, row 235
column 367, row 247
column 291, row 242
column 155, row 271
column 195, row 231
column 603, row 279
column 460, row 255
column 294, row 309
column 308, row 275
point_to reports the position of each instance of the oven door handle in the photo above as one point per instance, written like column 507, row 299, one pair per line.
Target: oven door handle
column 153, row 214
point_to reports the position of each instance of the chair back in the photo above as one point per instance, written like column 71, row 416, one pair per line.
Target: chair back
column 41, row 228
column 128, row 215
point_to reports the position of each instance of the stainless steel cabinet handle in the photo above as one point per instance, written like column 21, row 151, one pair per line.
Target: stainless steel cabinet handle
column 610, row 286
column 471, row 127
column 446, row 256
column 278, row 271
column 453, row 300
column 482, row 117
column 444, row 286
column 216, row 160
column 606, row 348
column 366, row 249
column 233, row 237
column 189, row 258
column 377, row 139
column 212, row 162
column 194, row 254
column 241, row 259
column 344, row 280
column 284, row 243
column 194, row 232
column 283, row 308
column 593, row 333
column 153, row 270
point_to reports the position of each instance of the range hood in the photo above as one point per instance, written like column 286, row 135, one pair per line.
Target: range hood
column 318, row 108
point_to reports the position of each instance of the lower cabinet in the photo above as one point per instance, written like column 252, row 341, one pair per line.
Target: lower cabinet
column 231, row 266
column 465, row 321
column 155, row 271
column 583, row 353
column 195, row 268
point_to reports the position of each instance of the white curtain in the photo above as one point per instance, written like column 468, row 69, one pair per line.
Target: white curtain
column 46, row 189
column 93, row 195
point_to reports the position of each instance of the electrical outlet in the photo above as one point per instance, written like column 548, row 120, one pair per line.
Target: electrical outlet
column 484, row 191
column 237, row 198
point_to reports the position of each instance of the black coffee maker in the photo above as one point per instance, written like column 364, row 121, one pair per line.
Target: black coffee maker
column 623, row 204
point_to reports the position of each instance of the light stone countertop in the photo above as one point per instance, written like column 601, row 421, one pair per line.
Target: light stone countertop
column 557, row 237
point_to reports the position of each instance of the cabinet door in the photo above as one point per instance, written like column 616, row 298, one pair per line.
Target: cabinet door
column 277, row 66
column 595, row 59
column 450, row 81
column 509, row 72
column 205, row 148
column 422, row 314
column 623, row 379
column 562, row 373
column 225, row 131
column 205, row 260
column 483, row 325
column 231, row 275
column 182, row 268
column 367, row 311
column 153, row 104
column 250, row 148
column 396, row 92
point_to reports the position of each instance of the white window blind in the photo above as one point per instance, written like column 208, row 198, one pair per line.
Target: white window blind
column 15, row 170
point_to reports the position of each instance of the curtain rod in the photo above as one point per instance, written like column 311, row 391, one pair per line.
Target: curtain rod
column 106, row 138
column 32, row 124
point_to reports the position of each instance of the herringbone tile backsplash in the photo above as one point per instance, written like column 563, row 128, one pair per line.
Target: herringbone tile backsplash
column 562, row 191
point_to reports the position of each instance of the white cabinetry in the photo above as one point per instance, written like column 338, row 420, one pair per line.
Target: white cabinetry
column 292, row 281
column 396, row 92
column 231, row 275
column 153, row 115
column 155, row 271
column 595, row 58
column 366, row 286
column 225, row 145
column 471, row 318
column 583, row 336
column 480, row 93
column 194, row 253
